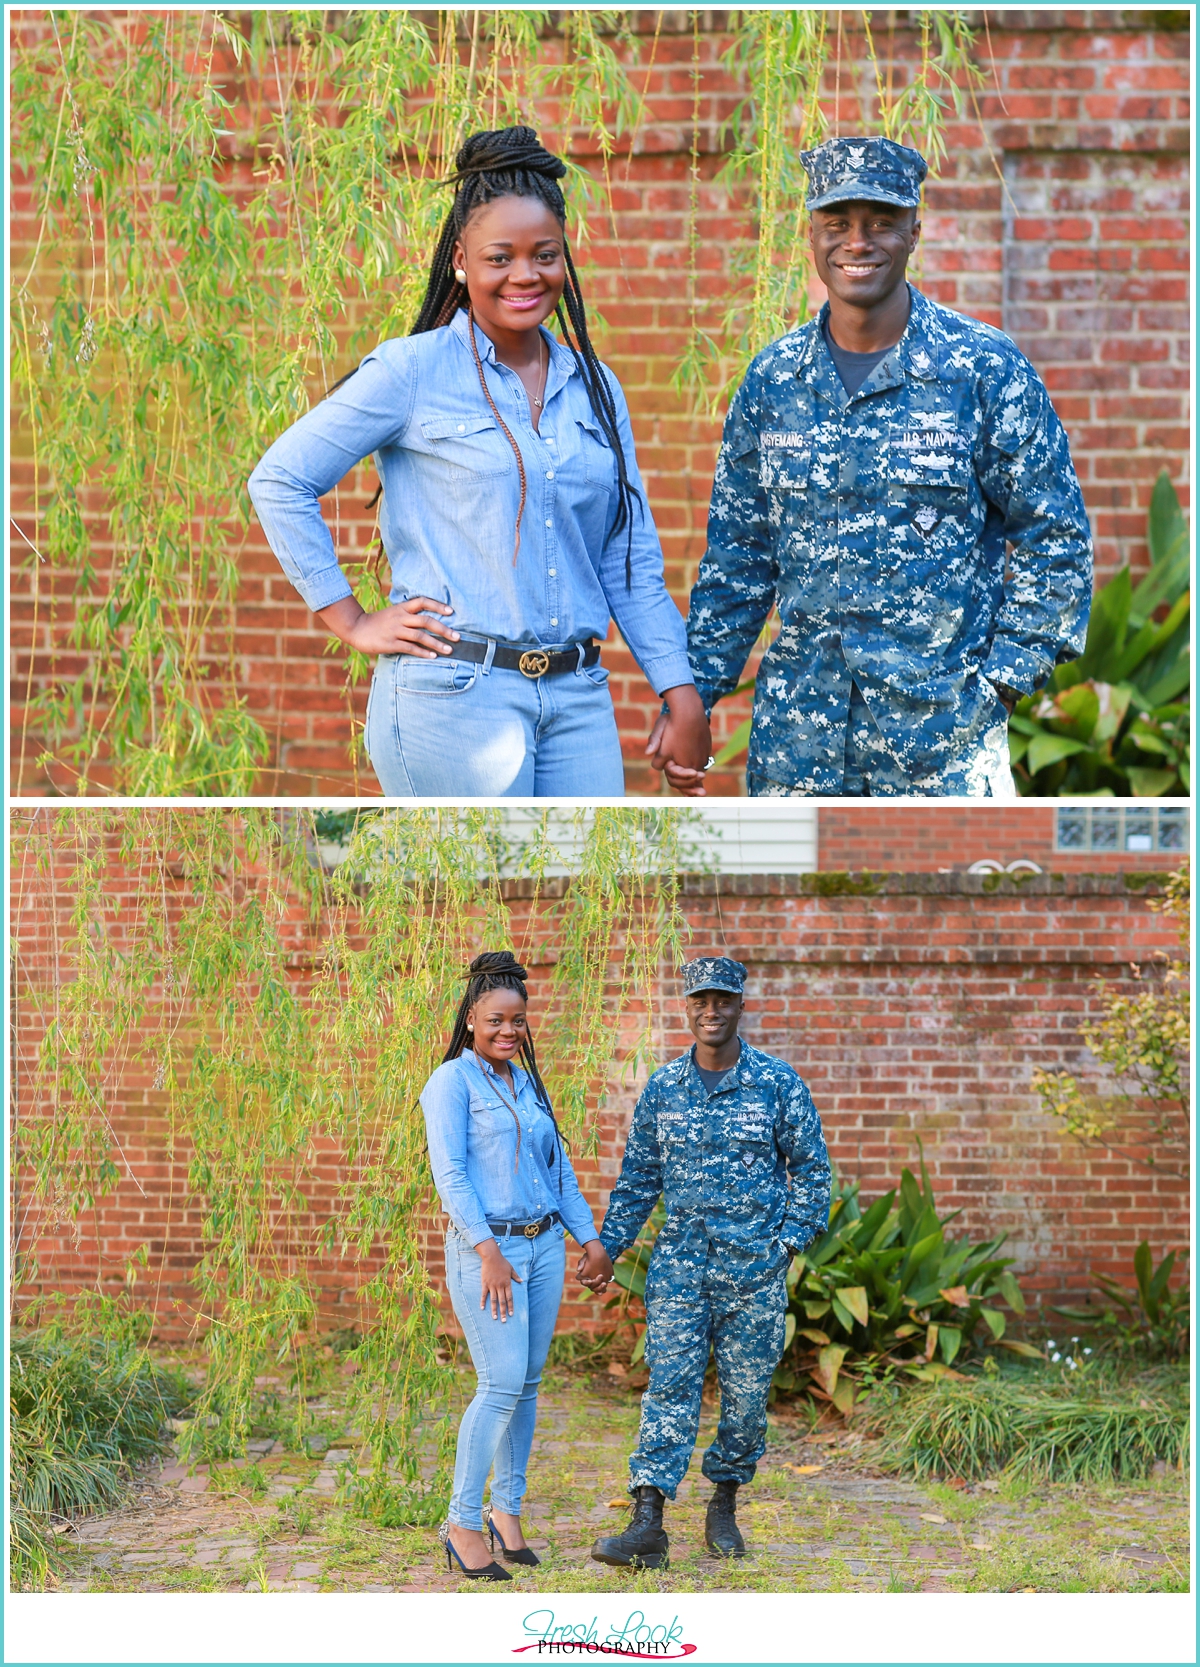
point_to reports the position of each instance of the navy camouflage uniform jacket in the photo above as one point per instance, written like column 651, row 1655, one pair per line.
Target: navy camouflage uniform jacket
column 878, row 524
column 743, row 1170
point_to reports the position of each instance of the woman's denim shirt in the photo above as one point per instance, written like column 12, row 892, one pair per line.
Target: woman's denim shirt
column 472, row 1131
column 450, row 497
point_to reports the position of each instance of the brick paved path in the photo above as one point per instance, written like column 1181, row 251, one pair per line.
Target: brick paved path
column 819, row 1517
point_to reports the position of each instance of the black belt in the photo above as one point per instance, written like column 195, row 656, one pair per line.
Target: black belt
column 529, row 1229
column 530, row 662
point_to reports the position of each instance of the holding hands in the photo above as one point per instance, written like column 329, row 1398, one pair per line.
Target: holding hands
column 680, row 742
column 594, row 1269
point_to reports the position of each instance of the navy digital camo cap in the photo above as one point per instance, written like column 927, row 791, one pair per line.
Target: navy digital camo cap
column 714, row 972
column 864, row 170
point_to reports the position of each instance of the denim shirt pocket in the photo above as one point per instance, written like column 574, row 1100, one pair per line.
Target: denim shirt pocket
column 492, row 1145
column 473, row 446
column 599, row 461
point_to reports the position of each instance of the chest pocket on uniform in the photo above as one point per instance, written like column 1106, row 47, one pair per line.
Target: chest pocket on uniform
column 929, row 456
column 473, row 444
column 755, row 1153
column 675, row 1136
column 783, row 467
column 929, row 478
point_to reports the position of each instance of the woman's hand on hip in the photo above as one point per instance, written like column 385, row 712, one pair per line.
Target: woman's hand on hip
column 594, row 1269
column 680, row 743
column 497, row 1278
column 402, row 628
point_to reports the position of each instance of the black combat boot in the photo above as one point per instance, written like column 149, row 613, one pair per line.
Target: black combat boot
column 643, row 1545
column 722, row 1535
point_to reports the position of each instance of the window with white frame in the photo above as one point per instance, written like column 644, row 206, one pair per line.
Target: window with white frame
column 735, row 837
column 1121, row 828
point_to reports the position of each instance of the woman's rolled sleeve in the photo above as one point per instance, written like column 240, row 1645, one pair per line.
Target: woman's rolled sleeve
column 445, row 1102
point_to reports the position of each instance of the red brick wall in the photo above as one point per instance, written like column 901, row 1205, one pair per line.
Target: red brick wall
column 952, row 837
column 915, row 1006
column 1080, row 253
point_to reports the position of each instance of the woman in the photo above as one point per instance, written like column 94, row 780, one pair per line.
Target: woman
column 510, row 1192
column 513, row 515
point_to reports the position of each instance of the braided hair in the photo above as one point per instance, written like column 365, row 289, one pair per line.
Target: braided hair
column 512, row 162
column 499, row 969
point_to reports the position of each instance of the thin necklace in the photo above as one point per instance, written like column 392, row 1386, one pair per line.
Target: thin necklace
column 544, row 371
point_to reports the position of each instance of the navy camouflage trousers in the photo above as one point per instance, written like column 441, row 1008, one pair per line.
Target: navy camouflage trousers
column 745, row 1331
column 870, row 771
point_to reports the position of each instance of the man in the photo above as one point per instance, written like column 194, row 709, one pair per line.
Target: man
column 875, row 463
column 732, row 1140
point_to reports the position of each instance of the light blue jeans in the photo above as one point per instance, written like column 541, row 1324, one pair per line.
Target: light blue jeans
column 442, row 729
column 508, row 1356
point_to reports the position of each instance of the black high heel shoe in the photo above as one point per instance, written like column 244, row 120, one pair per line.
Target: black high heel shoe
column 492, row 1571
column 528, row 1558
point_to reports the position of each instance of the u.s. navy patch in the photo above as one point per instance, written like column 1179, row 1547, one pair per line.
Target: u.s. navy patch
column 929, row 436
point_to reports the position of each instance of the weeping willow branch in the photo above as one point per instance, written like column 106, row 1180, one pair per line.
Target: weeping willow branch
column 225, row 219
column 230, row 211
column 782, row 57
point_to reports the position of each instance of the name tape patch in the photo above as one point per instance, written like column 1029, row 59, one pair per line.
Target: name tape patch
column 784, row 440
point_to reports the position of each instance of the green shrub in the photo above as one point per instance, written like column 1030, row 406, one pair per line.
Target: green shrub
column 887, row 1289
column 1057, row 1428
column 1154, row 1320
column 880, row 1291
column 1116, row 721
column 82, row 1411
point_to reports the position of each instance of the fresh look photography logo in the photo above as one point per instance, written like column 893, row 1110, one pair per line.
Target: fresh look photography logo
column 635, row 1637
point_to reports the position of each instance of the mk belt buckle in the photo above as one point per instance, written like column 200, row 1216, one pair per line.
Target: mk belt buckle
column 534, row 1227
column 534, row 663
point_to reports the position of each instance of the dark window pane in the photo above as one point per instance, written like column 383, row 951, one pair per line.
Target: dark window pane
column 1172, row 830
column 1106, row 830
column 1072, row 830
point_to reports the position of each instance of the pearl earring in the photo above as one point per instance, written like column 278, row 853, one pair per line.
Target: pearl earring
column 470, row 1027
column 460, row 275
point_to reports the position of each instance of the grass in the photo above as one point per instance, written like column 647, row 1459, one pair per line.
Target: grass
column 83, row 1411
column 296, row 1517
column 850, row 1527
column 1093, row 1427
column 575, row 1350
